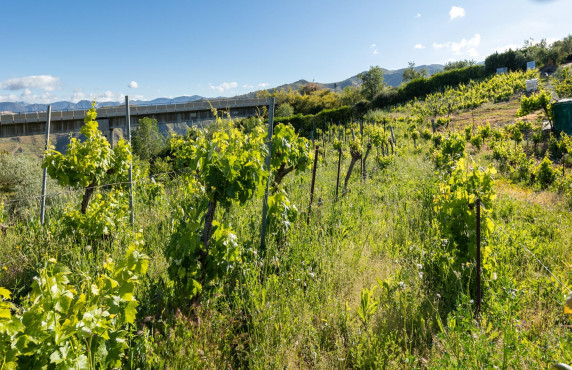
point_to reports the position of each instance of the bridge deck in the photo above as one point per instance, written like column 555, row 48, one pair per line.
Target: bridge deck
column 136, row 110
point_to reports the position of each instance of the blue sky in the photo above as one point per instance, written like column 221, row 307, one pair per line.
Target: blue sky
column 73, row 50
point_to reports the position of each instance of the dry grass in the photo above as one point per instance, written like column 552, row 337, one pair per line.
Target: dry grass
column 33, row 144
column 497, row 114
column 544, row 198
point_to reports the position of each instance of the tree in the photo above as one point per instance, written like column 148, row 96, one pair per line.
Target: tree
column 411, row 73
column 284, row 110
column 89, row 163
column 309, row 88
column 372, row 82
column 350, row 95
column 514, row 60
column 458, row 64
column 147, row 141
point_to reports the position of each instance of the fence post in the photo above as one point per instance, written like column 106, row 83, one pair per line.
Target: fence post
column 267, row 165
column 45, row 175
column 313, row 184
column 128, row 123
column 478, row 201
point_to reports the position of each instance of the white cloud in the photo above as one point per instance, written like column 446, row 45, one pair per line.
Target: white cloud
column 9, row 97
column 107, row 96
column 456, row 12
column 247, row 86
column 77, row 96
column 419, row 46
column 101, row 97
column 374, row 47
column 262, row 85
column 45, row 82
column 28, row 96
column 464, row 47
column 418, row 15
column 551, row 40
column 223, row 86
column 133, row 85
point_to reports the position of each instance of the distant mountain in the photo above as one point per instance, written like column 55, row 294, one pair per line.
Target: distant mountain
column 21, row 107
column 394, row 78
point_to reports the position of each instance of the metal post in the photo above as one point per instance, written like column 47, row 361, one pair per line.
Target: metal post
column 338, row 180
column 313, row 131
column 392, row 136
column 361, row 134
column 313, row 184
column 324, row 144
column 478, row 256
column 45, row 176
column 128, row 123
column 267, row 165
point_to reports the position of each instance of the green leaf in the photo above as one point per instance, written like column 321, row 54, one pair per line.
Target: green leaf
column 4, row 293
column 131, row 311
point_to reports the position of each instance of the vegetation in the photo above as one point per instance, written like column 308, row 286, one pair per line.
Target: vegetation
column 147, row 141
column 383, row 277
column 411, row 73
column 90, row 163
column 372, row 82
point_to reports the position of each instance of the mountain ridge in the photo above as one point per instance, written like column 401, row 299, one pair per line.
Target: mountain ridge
column 390, row 77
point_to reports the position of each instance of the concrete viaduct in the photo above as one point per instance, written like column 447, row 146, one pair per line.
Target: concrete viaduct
column 110, row 118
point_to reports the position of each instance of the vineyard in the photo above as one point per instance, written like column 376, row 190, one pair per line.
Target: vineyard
column 418, row 236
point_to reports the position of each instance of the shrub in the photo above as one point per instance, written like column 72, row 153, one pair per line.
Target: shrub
column 452, row 149
column 545, row 174
column 477, row 141
column 426, row 134
column 485, row 131
column 468, row 133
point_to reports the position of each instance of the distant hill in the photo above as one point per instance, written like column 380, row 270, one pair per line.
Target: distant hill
column 390, row 77
column 20, row 107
